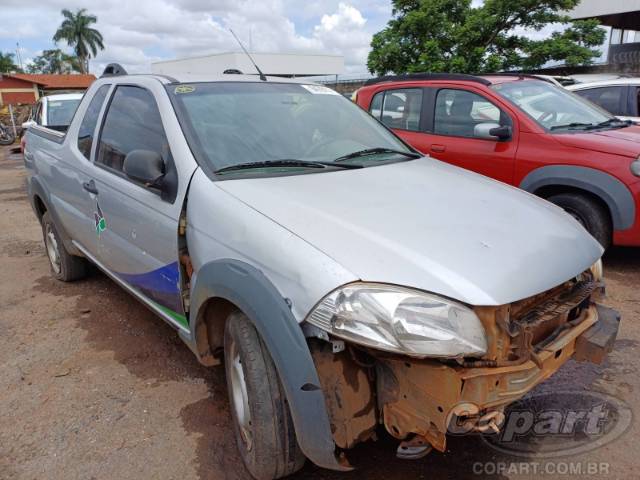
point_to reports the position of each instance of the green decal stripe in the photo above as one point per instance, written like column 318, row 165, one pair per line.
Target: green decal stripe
column 181, row 319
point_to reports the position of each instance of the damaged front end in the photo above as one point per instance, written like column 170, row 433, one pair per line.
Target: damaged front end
column 420, row 400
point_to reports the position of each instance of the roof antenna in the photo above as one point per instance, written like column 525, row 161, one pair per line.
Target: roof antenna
column 262, row 76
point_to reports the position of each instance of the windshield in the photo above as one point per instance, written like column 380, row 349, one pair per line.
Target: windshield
column 253, row 123
column 552, row 107
column 60, row 112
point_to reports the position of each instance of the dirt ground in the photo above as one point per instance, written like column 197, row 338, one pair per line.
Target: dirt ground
column 94, row 386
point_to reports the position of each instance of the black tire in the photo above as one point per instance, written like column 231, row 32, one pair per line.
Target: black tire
column 6, row 136
column 68, row 267
column 591, row 214
column 267, row 441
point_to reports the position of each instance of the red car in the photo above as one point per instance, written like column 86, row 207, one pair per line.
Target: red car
column 526, row 132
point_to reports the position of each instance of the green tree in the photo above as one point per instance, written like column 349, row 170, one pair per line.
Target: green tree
column 6, row 63
column 453, row 36
column 54, row 61
column 77, row 31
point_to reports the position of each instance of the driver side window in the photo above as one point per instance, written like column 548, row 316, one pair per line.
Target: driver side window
column 458, row 112
column 132, row 122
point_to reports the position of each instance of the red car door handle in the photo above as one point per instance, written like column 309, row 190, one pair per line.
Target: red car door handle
column 438, row 148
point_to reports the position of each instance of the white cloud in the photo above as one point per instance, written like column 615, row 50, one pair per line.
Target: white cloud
column 344, row 32
column 139, row 32
column 347, row 16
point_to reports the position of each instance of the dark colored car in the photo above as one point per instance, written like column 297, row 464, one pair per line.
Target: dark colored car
column 620, row 96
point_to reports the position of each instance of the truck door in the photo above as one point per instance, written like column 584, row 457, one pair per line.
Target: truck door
column 67, row 172
column 453, row 137
column 137, row 224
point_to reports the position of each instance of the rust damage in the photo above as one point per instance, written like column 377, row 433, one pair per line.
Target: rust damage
column 349, row 395
column 419, row 400
column 431, row 394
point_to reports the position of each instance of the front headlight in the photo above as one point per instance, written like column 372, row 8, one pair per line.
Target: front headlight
column 400, row 320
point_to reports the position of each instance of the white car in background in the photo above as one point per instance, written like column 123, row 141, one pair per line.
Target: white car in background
column 54, row 111
column 557, row 80
column 618, row 96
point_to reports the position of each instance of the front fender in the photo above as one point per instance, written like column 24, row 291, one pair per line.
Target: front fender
column 252, row 292
column 607, row 187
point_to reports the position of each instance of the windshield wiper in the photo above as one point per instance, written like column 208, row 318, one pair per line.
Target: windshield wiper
column 374, row 151
column 609, row 123
column 283, row 162
column 572, row 125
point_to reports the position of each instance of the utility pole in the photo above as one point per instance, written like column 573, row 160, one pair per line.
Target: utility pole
column 18, row 55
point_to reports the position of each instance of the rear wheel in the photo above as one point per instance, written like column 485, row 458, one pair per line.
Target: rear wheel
column 591, row 214
column 64, row 266
column 6, row 136
column 262, row 422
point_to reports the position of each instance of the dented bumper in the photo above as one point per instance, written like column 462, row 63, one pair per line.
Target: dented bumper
column 423, row 397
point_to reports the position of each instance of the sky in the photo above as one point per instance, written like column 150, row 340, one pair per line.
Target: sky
column 139, row 32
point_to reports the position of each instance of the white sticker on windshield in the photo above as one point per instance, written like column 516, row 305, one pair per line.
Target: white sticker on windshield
column 319, row 90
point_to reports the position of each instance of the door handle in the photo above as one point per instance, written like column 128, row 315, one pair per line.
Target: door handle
column 438, row 148
column 90, row 187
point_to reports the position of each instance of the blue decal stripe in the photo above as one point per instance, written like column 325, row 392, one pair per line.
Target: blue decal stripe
column 160, row 285
column 164, row 279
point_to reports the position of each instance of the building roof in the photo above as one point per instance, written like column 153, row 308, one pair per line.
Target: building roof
column 56, row 81
column 278, row 64
column 614, row 13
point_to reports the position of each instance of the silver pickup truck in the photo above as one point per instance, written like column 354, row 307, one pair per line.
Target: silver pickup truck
column 346, row 282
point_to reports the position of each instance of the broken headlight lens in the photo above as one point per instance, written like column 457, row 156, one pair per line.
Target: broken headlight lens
column 400, row 320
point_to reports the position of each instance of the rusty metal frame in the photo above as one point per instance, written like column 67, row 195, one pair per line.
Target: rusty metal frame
column 426, row 394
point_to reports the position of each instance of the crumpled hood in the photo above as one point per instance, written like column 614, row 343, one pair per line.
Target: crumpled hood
column 619, row 141
column 428, row 225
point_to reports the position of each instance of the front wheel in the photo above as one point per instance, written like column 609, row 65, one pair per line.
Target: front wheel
column 262, row 422
column 592, row 215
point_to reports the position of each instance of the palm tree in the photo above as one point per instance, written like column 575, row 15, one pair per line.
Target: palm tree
column 6, row 63
column 76, row 30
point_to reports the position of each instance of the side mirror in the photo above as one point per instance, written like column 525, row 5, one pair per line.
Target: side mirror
column 144, row 166
column 27, row 124
column 492, row 131
column 503, row 132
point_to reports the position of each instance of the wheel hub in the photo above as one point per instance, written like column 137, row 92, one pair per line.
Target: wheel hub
column 239, row 396
column 53, row 251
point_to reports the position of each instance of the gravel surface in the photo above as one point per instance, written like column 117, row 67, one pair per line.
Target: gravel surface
column 94, row 386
